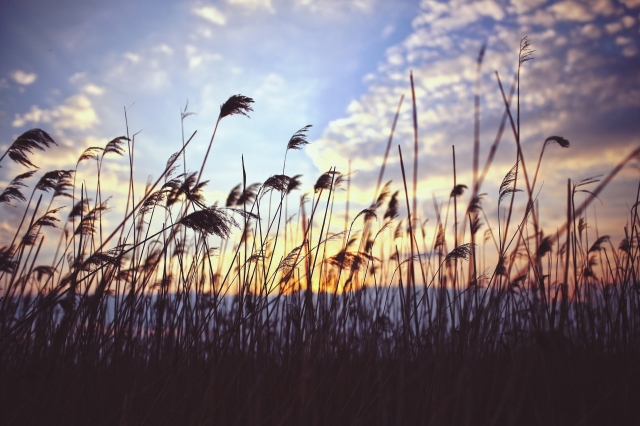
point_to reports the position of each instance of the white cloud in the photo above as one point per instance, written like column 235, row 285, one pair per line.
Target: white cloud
column 333, row 7
column 540, row 17
column 211, row 14
column 272, row 84
column 196, row 58
column 163, row 48
column 132, row 57
column 395, row 56
column 602, row 7
column 254, row 4
column 571, row 11
column 24, row 78
column 631, row 3
column 523, row 6
column 628, row 21
column 613, row 27
column 490, row 8
column 623, row 41
column 92, row 89
column 78, row 77
column 75, row 113
column 560, row 86
column 441, row 17
column 592, row 31
column 388, row 30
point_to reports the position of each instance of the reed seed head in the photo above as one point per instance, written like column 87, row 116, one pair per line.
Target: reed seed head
column 236, row 104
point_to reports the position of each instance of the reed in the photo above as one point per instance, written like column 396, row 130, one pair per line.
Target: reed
column 192, row 313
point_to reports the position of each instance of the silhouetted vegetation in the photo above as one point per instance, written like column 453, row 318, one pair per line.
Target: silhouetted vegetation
column 191, row 313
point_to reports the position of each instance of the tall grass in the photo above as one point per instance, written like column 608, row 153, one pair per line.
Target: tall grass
column 190, row 313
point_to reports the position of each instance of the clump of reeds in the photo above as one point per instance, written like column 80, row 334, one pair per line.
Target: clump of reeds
column 192, row 313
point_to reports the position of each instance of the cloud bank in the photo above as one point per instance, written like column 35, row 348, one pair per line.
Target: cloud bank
column 583, row 84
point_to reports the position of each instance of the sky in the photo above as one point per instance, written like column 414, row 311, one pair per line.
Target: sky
column 73, row 68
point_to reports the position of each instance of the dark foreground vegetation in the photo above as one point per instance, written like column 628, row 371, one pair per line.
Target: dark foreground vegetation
column 186, row 313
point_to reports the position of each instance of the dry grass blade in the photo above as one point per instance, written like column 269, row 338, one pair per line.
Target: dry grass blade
column 388, row 148
column 12, row 191
column 476, row 118
column 185, row 113
column 26, row 143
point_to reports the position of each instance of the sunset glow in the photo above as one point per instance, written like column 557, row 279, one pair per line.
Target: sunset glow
column 327, row 212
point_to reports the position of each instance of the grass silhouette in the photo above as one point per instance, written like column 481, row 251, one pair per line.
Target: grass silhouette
column 290, row 322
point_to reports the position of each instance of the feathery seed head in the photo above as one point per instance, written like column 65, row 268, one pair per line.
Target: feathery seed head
column 559, row 140
column 277, row 182
column 12, row 191
column 236, row 104
column 26, row 143
column 299, row 139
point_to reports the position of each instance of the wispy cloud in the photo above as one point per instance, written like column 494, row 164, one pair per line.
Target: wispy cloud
column 572, row 11
column 92, row 89
column 331, row 7
column 211, row 14
column 75, row 112
column 580, row 85
column 258, row 5
column 24, row 78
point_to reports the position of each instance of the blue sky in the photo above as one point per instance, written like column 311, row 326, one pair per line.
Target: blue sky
column 72, row 67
